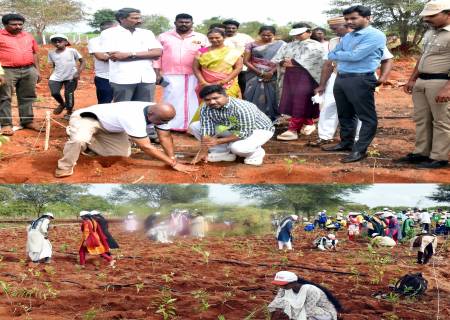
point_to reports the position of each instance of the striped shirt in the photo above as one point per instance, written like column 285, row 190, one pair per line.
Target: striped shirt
column 240, row 116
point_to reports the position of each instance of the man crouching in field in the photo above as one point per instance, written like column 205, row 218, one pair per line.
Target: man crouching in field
column 230, row 127
column 106, row 130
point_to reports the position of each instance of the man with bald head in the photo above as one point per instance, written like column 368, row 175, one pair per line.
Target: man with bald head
column 106, row 130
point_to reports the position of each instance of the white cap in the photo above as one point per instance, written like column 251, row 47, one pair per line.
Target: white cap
column 434, row 7
column 84, row 213
column 60, row 36
column 94, row 212
column 331, row 236
column 297, row 31
column 294, row 216
column 387, row 215
column 284, row 277
column 48, row 214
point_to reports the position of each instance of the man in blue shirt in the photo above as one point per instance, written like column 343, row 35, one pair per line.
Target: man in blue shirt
column 358, row 56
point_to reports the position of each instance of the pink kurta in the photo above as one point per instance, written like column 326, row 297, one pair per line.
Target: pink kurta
column 179, row 53
column 176, row 68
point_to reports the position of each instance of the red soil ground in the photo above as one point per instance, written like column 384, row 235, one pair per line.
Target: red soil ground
column 133, row 290
column 25, row 161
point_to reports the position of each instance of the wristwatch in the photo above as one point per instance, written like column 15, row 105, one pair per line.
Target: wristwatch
column 133, row 55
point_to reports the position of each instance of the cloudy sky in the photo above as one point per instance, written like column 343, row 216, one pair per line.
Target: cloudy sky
column 280, row 12
column 377, row 195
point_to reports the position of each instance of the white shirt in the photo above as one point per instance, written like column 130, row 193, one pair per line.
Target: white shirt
column 238, row 41
column 122, row 40
column 425, row 217
column 101, row 67
column 65, row 64
column 125, row 116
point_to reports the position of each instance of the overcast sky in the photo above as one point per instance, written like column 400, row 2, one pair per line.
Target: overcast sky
column 410, row 195
column 280, row 11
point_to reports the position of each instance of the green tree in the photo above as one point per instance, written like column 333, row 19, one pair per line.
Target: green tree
column 92, row 202
column 43, row 13
column 156, row 23
column 40, row 196
column 158, row 194
column 251, row 28
column 204, row 26
column 398, row 17
column 100, row 16
column 442, row 194
column 300, row 198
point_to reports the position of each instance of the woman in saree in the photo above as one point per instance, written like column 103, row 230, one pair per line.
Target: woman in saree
column 303, row 60
column 261, row 78
column 218, row 64
column 93, row 240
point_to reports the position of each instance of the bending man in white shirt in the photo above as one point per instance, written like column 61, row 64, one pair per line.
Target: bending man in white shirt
column 106, row 130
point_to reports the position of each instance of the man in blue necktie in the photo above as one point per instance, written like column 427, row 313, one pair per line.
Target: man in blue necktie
column 358, row 56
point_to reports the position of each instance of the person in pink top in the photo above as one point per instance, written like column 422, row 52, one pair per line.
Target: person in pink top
column 174, row 69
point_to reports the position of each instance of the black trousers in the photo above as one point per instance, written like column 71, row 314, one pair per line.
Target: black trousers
column 355, row 100
column 425, row 256
column 69, row 89
column 103, row 90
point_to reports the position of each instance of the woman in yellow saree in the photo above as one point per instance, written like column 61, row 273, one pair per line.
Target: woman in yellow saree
column 218, row 64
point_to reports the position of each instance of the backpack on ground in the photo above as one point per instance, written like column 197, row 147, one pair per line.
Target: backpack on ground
column 411, row 285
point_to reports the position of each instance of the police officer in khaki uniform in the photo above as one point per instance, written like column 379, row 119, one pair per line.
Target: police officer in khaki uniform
column 430, row 88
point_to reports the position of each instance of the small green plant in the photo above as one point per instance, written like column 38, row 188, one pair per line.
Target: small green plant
column 101, row 276
column 91, row 314
column 205, row 254
column 165, row 305
column 392, row 297
column 63, row 248
column 221, row 317
column 202, row 298
column 139, row 287
column 168, row 277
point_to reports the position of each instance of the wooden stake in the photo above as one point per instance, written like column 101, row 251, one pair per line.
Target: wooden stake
column 47, row 130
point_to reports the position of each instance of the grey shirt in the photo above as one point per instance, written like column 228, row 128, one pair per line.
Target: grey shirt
column 65, row 64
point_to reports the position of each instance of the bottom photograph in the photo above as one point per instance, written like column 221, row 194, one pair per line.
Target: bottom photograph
column 301, row 252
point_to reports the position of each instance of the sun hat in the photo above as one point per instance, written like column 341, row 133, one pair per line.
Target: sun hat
column 48, row 214
column 434, row 7
column 284, row 277
column 297, row 31
column 94, row 212
column 294, row 216
column 84, row 213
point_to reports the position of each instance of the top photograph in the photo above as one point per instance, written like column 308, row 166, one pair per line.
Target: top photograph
column 247, row 92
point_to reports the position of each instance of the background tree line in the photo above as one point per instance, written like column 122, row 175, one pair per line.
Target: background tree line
column 400, row 18
column 67, row 200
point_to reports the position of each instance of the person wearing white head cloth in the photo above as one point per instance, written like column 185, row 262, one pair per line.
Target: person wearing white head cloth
column 302, row 60
column 284, row 232
column 300, row 299
column 39, row 247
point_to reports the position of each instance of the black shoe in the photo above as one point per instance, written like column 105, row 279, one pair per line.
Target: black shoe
column 354, row 156
column 433, row 164
column 412, row 158
column 338, row 147
column 320, row 142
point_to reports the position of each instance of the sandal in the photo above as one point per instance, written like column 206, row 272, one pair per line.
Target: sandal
column 7, row 131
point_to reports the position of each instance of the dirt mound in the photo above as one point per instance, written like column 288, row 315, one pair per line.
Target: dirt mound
column 208, row 278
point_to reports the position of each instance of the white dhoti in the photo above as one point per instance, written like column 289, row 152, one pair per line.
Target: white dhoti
column 328, row 118
column 181, row 94
column 38, row 247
